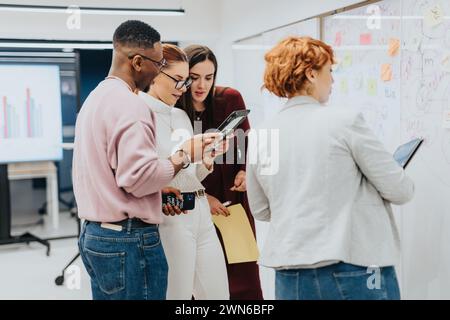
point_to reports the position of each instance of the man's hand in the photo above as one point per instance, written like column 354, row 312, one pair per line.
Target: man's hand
column 167, row 208
column 217, row 208
column 239, row 182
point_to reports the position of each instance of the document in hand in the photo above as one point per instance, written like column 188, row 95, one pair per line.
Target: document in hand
column 237, row 235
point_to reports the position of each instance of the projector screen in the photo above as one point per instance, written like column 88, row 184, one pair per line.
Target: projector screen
column 30, row 113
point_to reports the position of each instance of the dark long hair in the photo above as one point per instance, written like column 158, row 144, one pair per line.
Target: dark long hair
column 197, row 54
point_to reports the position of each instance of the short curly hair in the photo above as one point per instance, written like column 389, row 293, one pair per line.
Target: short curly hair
column 135, row 33
column 288, row 61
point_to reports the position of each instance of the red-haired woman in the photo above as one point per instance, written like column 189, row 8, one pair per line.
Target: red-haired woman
column 332, row 233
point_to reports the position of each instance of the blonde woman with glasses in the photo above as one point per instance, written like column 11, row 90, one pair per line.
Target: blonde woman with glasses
column 194, row 255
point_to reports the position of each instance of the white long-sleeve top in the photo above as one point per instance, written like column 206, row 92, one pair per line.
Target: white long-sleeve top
column 173, row 127
column 328, row 195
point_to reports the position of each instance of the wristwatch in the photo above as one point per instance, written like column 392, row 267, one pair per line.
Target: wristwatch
column 186, row 158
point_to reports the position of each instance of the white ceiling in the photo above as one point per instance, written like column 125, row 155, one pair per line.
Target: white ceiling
column 201, row 21
column 152, row 4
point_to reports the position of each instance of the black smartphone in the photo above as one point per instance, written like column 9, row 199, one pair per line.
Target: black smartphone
column 188, row 202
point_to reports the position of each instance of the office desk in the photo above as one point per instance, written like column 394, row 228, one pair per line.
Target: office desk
column 47, row 169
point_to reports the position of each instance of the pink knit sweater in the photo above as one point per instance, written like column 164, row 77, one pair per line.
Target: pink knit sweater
column 116, row 170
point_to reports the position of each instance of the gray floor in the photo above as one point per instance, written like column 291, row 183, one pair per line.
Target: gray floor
column 25, row 270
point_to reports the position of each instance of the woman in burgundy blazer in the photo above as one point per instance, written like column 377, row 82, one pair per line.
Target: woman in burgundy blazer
column 207, row 106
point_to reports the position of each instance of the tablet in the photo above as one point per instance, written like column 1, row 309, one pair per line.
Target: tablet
column 405, row 152
column 230, row 124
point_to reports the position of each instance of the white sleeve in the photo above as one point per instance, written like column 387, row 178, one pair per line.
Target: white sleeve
column 257, row 199
column 202, row 172
column 377, row 164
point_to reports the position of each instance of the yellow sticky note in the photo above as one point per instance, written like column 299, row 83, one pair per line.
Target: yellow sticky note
column 434, row 16
column 372, row 87
column 237, row 235
column 344, row 86
column 394, row 47
column 386, row 72
column 348, row 60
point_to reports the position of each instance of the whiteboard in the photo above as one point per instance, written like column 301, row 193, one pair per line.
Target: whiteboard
column 249, row 67
column 366, row 75
column 425, row 104
column 405, row 93
column 30, row 113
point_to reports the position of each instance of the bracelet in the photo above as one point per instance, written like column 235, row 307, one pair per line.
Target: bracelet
column 186, row 160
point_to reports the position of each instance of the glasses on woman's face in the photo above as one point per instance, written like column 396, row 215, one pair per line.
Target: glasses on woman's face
column 179, row 84
column 160, row 64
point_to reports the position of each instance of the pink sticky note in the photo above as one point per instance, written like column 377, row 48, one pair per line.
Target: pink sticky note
column 338, row 39
column 365, row 39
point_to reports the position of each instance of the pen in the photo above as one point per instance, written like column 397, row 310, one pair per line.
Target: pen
column 226, row 204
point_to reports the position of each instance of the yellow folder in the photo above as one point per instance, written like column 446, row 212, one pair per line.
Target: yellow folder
column 238, row 239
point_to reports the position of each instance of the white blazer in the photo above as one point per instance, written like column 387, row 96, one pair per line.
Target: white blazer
column 330, row 198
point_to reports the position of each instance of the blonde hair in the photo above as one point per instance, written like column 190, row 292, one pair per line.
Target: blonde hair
column 288, row 62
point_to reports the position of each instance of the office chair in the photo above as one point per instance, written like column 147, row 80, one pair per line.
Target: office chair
column 59, row 280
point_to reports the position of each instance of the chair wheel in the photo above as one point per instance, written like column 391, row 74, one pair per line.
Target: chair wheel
column 59, row 280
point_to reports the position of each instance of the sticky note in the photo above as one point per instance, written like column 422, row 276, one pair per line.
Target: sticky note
column 348, row 60
column 372, row 87
column 338, row 39
column 365, row 39
column 394, row 47
column 386, row 72
column 434, row 16
column 344, row 86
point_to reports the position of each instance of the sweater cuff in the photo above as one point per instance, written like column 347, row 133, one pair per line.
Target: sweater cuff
column 167, row 171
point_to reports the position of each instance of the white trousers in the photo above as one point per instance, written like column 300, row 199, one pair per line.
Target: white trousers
column 194, row 255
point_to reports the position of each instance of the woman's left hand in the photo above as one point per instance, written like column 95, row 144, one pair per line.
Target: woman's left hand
column 240, row 182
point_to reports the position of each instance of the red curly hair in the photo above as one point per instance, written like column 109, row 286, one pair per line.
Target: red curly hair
column 288, row 61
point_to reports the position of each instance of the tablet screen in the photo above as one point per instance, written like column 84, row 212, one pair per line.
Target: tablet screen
column 229, row 125
column 406, row 151
column 233, row 121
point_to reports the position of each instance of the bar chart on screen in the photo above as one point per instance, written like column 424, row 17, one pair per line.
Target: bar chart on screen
column 12, row 123
column 30, row 116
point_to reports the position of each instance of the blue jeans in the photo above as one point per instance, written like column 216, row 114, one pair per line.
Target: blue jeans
column 124, row 265
column 340, row 281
